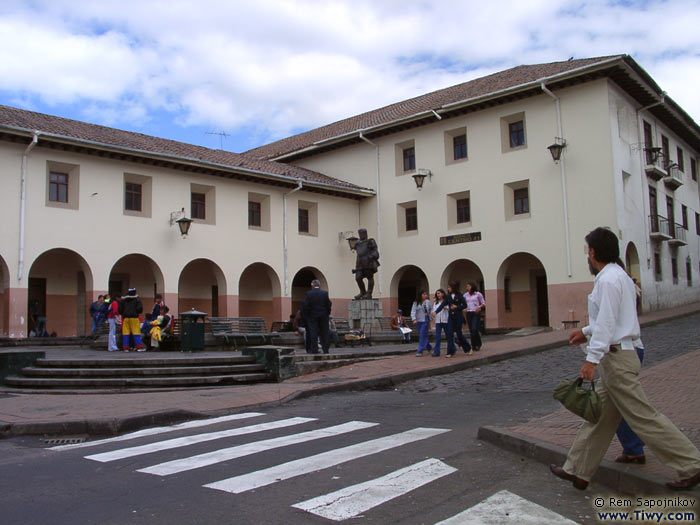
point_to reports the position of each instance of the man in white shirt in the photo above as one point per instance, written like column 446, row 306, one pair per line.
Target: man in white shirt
column 611, row 337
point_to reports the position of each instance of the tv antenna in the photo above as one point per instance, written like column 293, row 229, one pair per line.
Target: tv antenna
column 222, row 136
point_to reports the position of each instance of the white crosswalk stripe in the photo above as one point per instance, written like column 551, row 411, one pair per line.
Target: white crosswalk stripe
column 218, row 456
column 159, row 430
column 504, row 508
column 264, row 477
column 197, row 438
column 353, row 501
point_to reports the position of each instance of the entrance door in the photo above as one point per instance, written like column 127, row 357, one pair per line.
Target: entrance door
column 36, row 299
column 542, row 301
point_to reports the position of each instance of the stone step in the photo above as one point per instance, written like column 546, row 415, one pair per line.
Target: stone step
column 116, row 371
column 309, row 367
column 136, row 382
column 140, row 360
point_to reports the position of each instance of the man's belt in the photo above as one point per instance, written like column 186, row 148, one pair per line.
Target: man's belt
column 614, row 348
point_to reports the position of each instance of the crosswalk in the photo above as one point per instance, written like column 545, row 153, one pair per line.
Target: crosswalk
column 348, row 502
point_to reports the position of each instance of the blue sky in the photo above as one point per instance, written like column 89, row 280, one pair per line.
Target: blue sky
column 263, row 70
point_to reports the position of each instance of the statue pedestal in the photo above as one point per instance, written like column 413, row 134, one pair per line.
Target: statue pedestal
column 363, row 313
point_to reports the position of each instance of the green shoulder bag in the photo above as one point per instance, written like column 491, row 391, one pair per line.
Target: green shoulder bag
column 584, row 402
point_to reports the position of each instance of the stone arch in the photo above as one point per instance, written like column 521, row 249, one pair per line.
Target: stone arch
column 301, row 283
column 138, row 271
column 259, row 293
column 462, row 271
column 202, row 286
column 632, row 262
column 405, row 284
column 4, row 298
column 60, row 285
column 522, row 292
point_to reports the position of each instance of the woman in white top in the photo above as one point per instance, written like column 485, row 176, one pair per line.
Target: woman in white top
column 420, row 314
column 441, row 319
column 475, row 304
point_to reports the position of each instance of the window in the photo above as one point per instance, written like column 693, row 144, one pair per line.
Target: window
column 409, row 159
column 648, row 142
column 199, row 206
column 693, row 169
column 513, row 132
column 132, row 196
column 303, row 220
column 203, row 203
column 411, row 219
column 689, row 272
column 681, row 159
column 405, row 157
column 674, row 269
column 459, row 146
column 658, row 276
column 669, row 213
column 697, row 223
column 516, row 132
column 516, row 200
column 58, row 187
column 521, row 202
column 665, row 150
column 307, row 218
column 463, row 212
column 254, row 214
column 684, row 216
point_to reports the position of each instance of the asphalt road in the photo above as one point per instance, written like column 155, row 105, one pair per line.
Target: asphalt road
column 42, row 486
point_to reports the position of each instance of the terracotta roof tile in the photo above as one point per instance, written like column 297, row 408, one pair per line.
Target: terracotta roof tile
column 474, row 88
column 102, row 135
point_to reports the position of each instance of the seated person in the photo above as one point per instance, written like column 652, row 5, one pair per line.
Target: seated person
column 146, row 331
column 398, row 322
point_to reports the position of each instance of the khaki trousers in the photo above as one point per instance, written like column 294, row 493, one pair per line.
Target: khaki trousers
column 622, row 396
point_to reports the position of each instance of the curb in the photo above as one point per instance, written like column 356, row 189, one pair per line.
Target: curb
column 625, row 480
column 114, row 426
column 99, row 427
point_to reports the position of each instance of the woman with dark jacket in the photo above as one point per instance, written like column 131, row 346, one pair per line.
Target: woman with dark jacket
column 454, row 302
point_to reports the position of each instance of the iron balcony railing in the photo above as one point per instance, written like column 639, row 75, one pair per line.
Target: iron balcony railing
column 660, row 225
column 679, row 233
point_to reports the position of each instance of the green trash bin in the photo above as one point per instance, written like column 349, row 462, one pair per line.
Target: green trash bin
column 192, row 330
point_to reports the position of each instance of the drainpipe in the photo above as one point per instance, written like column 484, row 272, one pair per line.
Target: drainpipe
column 557, row 105
column 285, row 243
column 23, row 203
column 379, row 217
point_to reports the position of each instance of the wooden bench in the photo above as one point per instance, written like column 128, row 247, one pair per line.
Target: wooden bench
column 235, row 330
column 282, row 326
column 384, row 324
column 171, row 341
column 346, row 334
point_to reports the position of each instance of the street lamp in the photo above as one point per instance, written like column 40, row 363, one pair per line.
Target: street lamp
column 352, row 242
column 419, row 177
column 183, row 222
column 557, row 148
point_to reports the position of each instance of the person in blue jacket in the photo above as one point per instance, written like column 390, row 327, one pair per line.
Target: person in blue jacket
column 454, row 302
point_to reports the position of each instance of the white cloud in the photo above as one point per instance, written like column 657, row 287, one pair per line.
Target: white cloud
column 281, row 65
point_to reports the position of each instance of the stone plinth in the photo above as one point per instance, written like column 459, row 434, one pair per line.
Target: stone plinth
column 363, row 313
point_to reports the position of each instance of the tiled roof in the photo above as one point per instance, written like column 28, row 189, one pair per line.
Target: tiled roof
column 502, row 80
column 68, row 129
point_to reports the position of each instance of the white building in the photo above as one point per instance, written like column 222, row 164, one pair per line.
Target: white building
column 494, row 207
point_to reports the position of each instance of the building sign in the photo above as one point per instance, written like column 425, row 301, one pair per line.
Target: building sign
column 462, row 237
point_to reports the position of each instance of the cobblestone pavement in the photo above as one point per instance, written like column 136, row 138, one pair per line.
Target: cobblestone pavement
column 542, row 371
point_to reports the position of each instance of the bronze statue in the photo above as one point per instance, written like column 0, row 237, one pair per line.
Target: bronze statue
column 366, row 264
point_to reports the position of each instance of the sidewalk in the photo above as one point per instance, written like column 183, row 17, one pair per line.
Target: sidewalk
column 108, row 414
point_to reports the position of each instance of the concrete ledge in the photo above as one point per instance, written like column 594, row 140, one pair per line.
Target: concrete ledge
column 622, row 479
column 279, row 360
column 11, row 362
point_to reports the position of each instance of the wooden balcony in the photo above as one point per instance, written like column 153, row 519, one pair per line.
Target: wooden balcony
column 659, row 228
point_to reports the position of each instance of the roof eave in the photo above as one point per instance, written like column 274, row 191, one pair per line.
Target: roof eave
column 189, row 160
